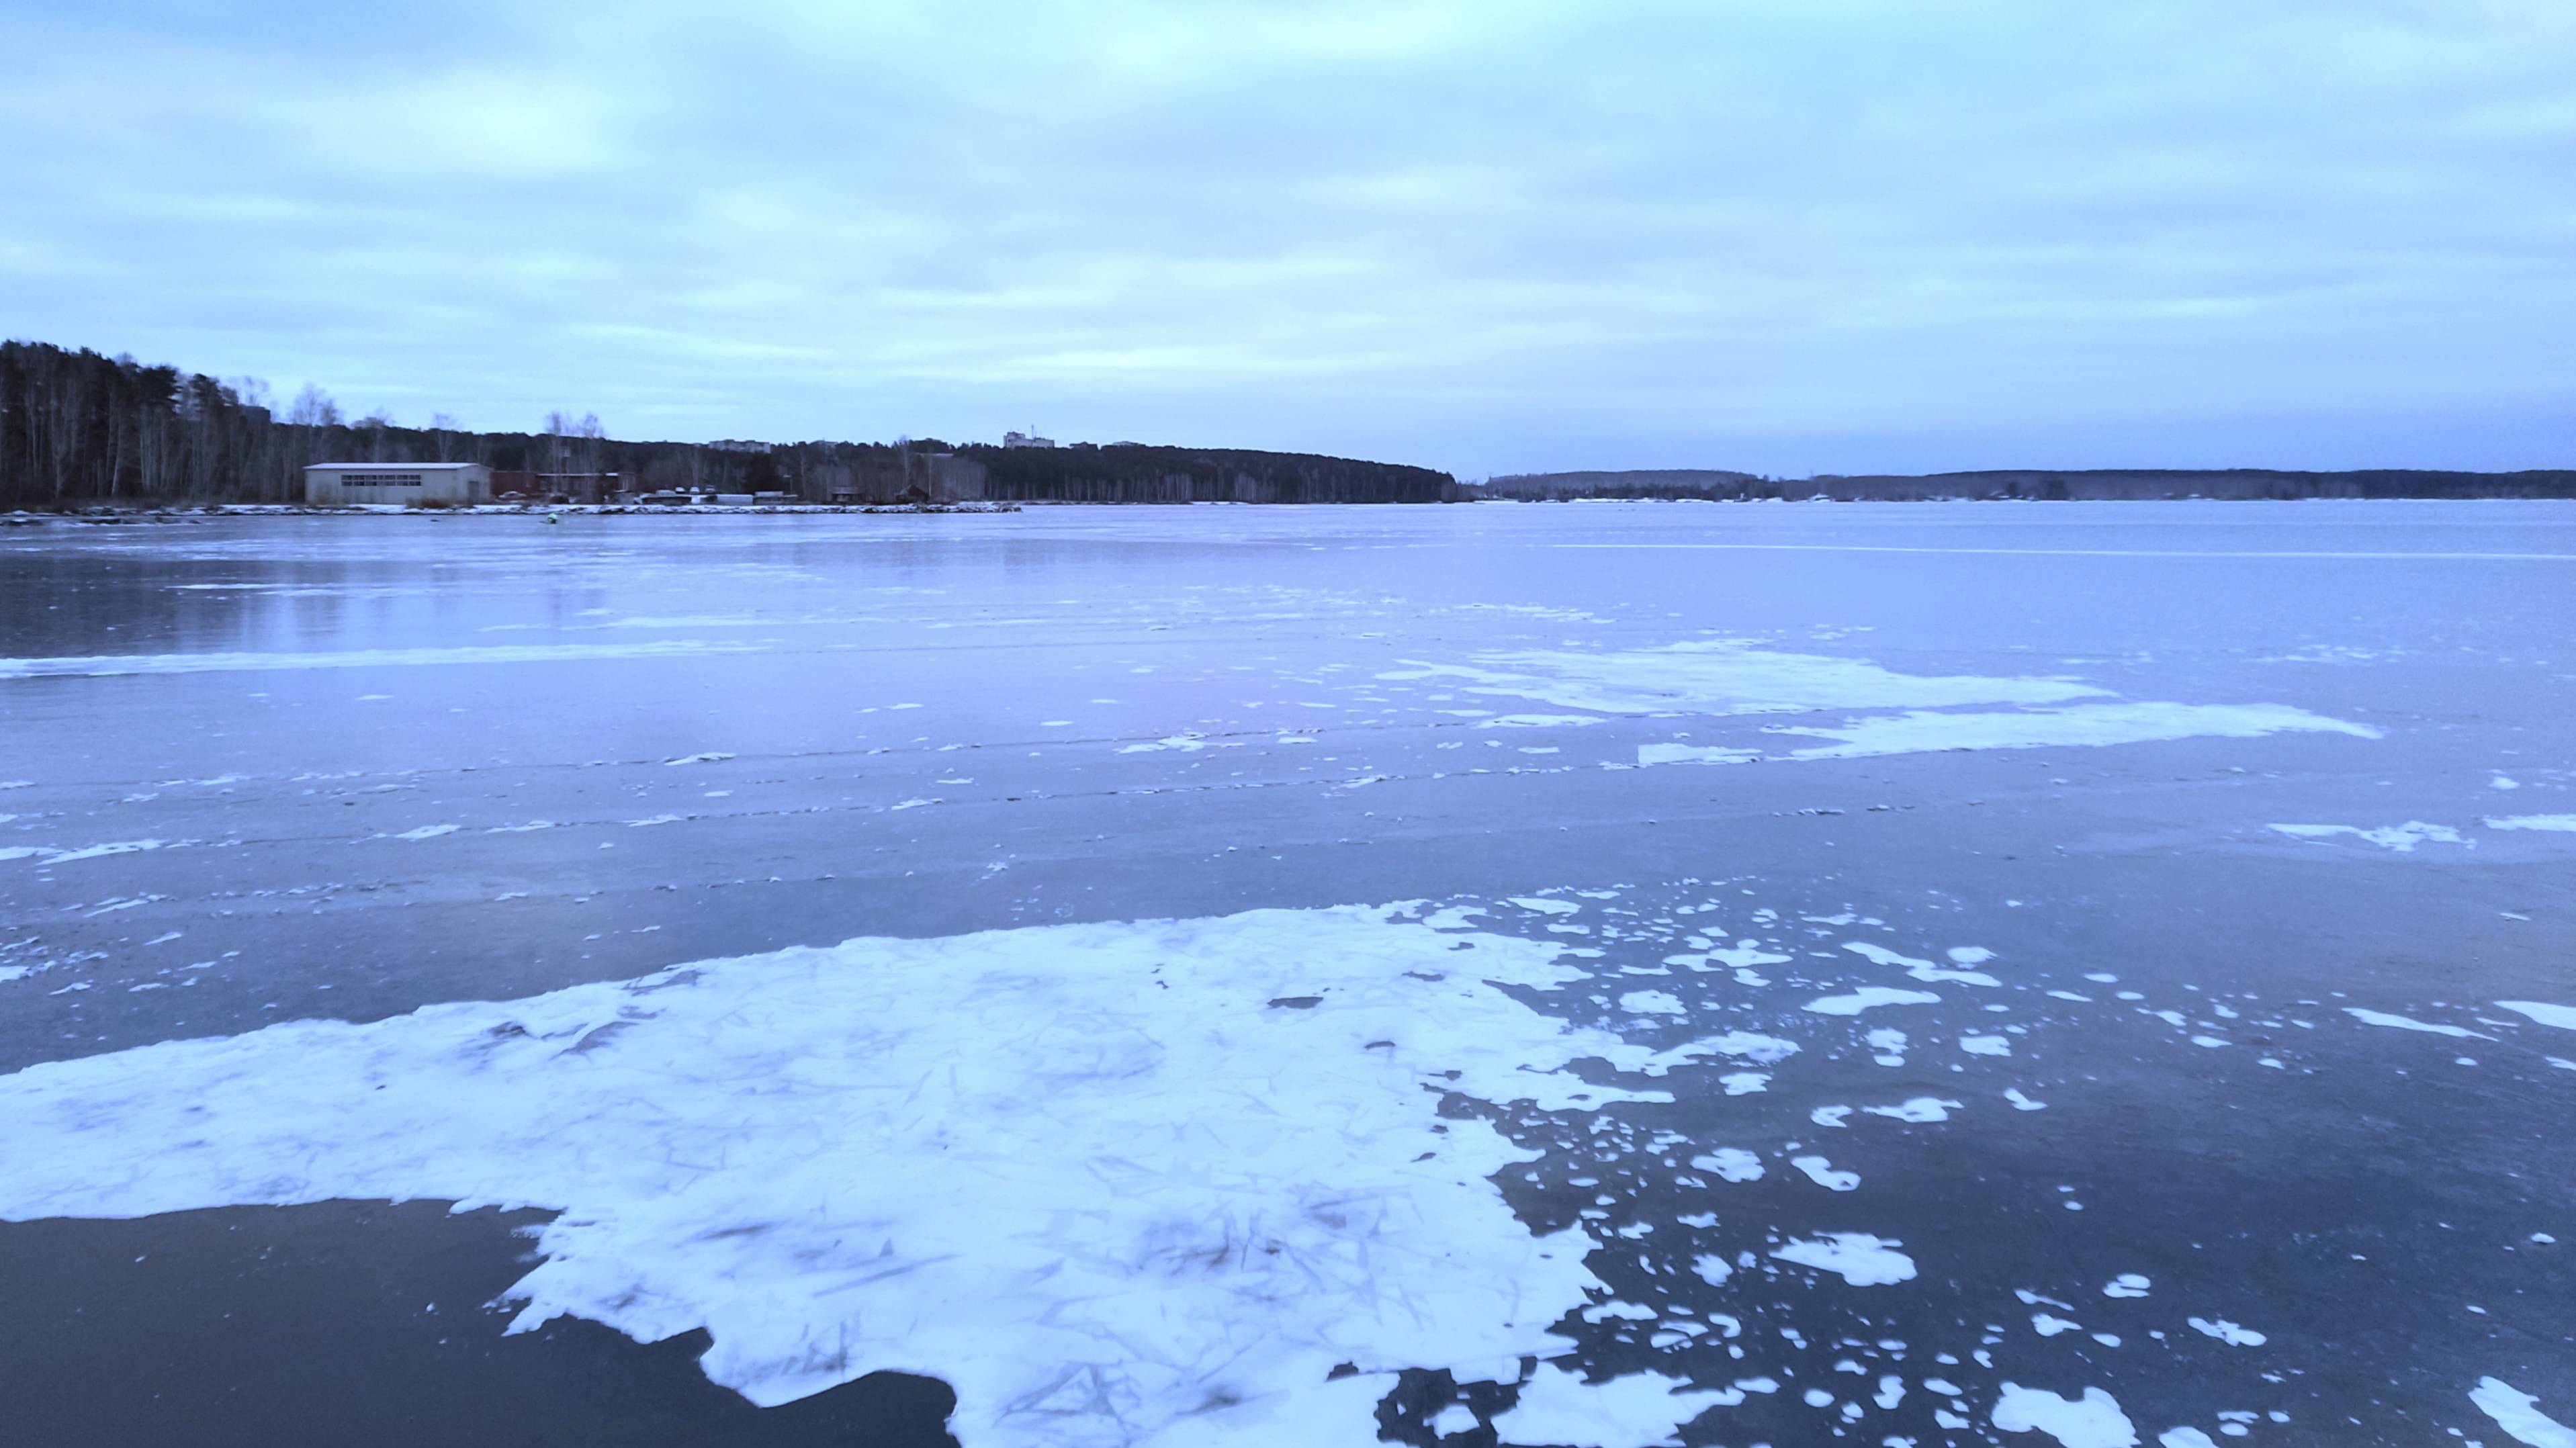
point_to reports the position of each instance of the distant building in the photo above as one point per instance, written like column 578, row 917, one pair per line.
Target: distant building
column 1023, row 439
column 397, row 483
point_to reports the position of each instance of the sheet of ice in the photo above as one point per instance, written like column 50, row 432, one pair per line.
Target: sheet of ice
column 1546, row 906
column 2401, row 838
column 2566, row 822
column 104, row 665
column 2127, row 1284
column 2184, row 1438
column 2563, row 1017
column 2407, row 1023
column 1986, row 1045
column 428, row 832
column 2091, row 1421
column 1859, row 1258
column 2140, row 722
column 2518, row 1413
column 1726, row 676
column 1090, row 1175
column 1558, row 1409
column 1869, row 996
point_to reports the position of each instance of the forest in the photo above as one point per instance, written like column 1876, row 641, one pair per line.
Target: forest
column 79, row 429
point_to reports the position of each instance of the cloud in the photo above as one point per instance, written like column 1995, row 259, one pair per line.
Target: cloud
column 1754, row 233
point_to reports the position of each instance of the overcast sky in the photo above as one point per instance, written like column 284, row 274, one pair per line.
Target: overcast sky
column 1782, row 235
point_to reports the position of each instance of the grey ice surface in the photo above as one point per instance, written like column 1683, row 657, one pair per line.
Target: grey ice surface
column 2213, row 966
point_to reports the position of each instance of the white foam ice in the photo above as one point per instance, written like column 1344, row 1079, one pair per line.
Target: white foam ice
column 2093, row 1420
column 2408, row 1023
column 2401, row 838
column 428, row 832
column 108, row 665
column 1857, row 1257
column 2518, row 1413
column 1545, row 906
column 2136, row 722
column 1097, row 1177
column 2561, row 822
column 1869, row 996
column 2563, row 1017
column 1558, row 1409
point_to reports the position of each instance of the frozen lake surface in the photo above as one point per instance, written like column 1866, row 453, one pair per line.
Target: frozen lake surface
column 1573, row 974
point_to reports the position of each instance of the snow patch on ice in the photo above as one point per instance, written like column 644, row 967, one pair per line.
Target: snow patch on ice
column 2408, row 1023
column 2142, row 722
column 1859, row 1258
column 1560, row 1410
column 2401, row 838
column 1869, row 996
column 2518, row 1413
column 1088, row 1174
column 2091, row 1421
column 2565, row 822
column 2563, row 1017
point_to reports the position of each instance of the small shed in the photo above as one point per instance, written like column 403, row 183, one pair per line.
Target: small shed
column 397, row 483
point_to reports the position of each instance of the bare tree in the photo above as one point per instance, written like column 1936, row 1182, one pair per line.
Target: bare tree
column 313, row 407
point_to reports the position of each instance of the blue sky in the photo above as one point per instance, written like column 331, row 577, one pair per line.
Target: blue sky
column 1783, row 235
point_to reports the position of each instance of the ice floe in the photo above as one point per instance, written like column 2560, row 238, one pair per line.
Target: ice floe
column 2227, row 1332
column 958, row 1156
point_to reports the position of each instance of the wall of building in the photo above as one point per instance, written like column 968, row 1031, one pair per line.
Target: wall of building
column 397, row 483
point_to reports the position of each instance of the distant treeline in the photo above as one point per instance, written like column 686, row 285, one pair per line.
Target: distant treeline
column 78, row 428
column 2078, row 485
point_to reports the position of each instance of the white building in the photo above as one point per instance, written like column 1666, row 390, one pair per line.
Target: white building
column 1026, row 439
column 397, row 483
